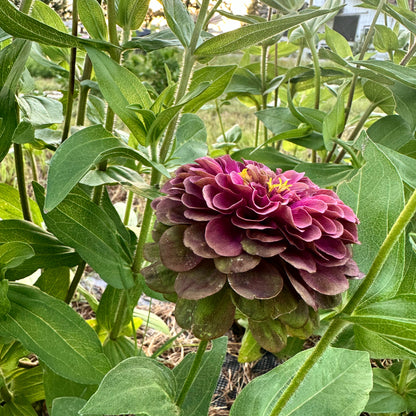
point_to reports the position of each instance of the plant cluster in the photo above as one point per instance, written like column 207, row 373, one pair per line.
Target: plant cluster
column 306, row 230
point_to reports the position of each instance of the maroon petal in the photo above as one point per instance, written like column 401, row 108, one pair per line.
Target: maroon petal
column 159, row 278
column 331, row 246
column 305, row 292
column 171, row 212
column 299, row 259
column 194, row 238
column 327, row 280
column 238, row 264
column 202, row 281
column 258, row 248
column 223, row 237
column 173, row 253
column 262, row 282
column 301, row 218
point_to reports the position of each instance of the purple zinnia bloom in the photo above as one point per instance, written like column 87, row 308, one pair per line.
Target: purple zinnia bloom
column 273, row 242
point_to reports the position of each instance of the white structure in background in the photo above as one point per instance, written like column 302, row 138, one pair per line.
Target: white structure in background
column 353, row 22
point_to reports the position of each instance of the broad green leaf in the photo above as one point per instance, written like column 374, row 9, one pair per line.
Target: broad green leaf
column 137, row 385
column 45, row 14
column 244, row 82
column 119, row 349
column 337, row 43
column 57, row 386
column 20, row 25
column 67, row 406
column 334, row 122
column 84, row 150
column 13, row 254
column 326, row 174
column 377, row 197
column 314, row 24
column 190, row 143
column 28, row 385
column 403, row 74
column 218, row 76
column 384, row 397
column 56, row 334
column 387, row 328
column 81, row 224
column 152, row 320
column 121, row 88
column 179, row 20
column 24, row 133
column 10, row 207
column 200, row 394
column 329, row 377
column 405, row 17
column 92, row 17
column 17, row 409
column 250, row 349
column 385, row 40
column 54, row 282
column 41, row 111
column 156, row 40
column 380, row 96
column 242, row 18
column 131, row 14
column 285, row 6
column 252, row 34
column 391, row 131
column 12, row 64
column 49, row 251
column 405, row 98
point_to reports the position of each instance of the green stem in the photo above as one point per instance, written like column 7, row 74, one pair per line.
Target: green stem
column 315, row 59
column 337, row 324
column 33, row 165
column 211, row 13
column 217, row 108
column 120, row 315
column 72, row 69
column 84, row 89
column 129, row 204
column 192, row 372
column 21, row 181
column 263, row 74
column 75, row 281
column 257, row 133
column 409, row 55
column 276, row 71
column 401, row 385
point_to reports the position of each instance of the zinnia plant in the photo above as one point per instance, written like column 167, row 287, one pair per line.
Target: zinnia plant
column 238, row 235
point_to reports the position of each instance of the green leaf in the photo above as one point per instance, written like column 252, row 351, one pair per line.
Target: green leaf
column 24, row 133
column 154, row 41
column 121, row 88
column 385, row 40
column 45, row 14
column 49, row 252
column 137, row 385
column 20, row 25
column 81, row 224
column 84, row 150
column 334, row 122
column 119, row 349
column 405, row 98
column 12, row 64
column 55, row 282
column 190, row 143
column 380, row 96
column 403, row 74
column 179, row 20
column 152, row 320
column 200, row 394
column 337, row 43
column 314, row 24
column 329, row 377
column 250, row 349
column 41, row 111
column 326, row 175
column 219, row 78
column 255, row 33
column 131, row 14
column 13, row 254
column 384, row 397
column 56, row 334
column 387, row 328
column 17, row 409
column 92, row 17
column 10, row 207
column 391, row 131
column 285, row 5
column 377, row 197
column 67, row 406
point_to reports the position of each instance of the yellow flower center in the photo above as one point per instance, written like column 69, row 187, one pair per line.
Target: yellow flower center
column 280, row 187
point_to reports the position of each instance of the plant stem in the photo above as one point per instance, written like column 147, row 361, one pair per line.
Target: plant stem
column 408, row 55
column 211, row 13
column 83, row 95
column 401, row 385
column 263, row 72
column 217, row 108
column 71, row 81
column 315, row 59
column 276, row 71
column 75, row 281
column 337, row 324
column 192, row 372
column 21, row 181
column 129, row 204
column 33, row 165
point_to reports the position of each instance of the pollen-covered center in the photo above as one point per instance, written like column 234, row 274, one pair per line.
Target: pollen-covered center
column 254, row 174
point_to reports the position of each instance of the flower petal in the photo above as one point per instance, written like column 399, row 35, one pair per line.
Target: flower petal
column 194, row 238
column 326, row 280
column 262, row 282
column 223, row 237
column 238, row 264
column 299, row 259
column 258, row 248
column 202, row 281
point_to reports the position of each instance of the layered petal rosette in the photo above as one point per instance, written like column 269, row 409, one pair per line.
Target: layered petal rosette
column 238, row 235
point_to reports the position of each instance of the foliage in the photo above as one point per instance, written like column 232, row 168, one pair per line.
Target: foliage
column 345, row 120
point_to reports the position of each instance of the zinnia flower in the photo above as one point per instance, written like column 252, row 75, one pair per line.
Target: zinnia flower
column 238, row 235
